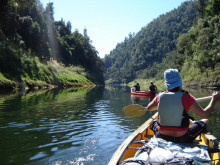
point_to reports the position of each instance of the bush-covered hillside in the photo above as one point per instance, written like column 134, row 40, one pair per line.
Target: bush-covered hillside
column 186, row 38
column 138, row 55
column 30, row 39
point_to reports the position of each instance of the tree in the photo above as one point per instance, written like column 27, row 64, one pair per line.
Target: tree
column 69, row 26
column 200, row 6
column 139, row 55
column 50, row 10
column 213, row 8
column 85, row 32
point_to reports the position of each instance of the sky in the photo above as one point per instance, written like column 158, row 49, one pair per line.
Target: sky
column 108, row 22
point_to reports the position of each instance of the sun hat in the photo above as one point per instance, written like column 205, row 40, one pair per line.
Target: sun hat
column 172, row 78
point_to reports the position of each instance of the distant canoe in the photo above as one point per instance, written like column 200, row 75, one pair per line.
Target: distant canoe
column 142, row 93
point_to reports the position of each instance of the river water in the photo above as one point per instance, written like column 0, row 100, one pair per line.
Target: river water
column 81, row 126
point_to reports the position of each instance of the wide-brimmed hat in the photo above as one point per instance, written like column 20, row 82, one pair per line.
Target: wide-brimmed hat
column 172, row 78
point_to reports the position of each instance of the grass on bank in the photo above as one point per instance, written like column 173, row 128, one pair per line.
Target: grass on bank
column 6, row 83
column 69, row 76
column 57, row 74
column 17, row 65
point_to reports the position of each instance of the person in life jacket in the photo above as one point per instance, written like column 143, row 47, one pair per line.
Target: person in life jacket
column 152, row 87
column 137, row 87
column 173, row 106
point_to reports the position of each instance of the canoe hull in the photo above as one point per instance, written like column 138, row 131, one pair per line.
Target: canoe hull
column 142, row 93
column 130, row 146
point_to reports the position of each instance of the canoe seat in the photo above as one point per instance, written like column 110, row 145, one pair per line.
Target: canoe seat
column 141, row 141
column 148, row 136
column 134, row 148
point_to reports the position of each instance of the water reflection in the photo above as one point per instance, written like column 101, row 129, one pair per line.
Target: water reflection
column 44, row 122
column 69, row 126
column 135, row 99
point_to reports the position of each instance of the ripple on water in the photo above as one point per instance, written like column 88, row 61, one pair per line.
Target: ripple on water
column 38, row 156
column 16, row 125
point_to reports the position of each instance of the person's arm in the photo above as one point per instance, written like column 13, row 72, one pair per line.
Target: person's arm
column 204, row 113
column 152, row 105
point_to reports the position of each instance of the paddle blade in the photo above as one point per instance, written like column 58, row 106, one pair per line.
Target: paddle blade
column 133, row 110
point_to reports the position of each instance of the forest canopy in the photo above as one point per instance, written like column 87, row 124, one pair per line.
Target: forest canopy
column 29, row 36
column 186, row 38
column 33, row 45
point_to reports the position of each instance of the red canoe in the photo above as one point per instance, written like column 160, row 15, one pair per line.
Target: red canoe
column 142, row 93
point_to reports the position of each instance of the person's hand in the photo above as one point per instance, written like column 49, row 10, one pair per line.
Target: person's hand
column 216, row 96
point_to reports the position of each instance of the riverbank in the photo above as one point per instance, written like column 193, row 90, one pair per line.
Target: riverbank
column 213, row 84
column 144, row 83
column 47, row 76
column 30, row 84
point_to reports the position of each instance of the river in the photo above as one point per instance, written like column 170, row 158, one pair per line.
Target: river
column 76, row 126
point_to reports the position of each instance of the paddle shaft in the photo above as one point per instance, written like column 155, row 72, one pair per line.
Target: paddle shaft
column 201, row 99
column 204, row 98
column 136, row 110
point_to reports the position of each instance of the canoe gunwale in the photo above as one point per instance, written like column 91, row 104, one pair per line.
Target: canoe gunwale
column 212, row 139
column 142, row 93
column 128, row 141
column 208, row 139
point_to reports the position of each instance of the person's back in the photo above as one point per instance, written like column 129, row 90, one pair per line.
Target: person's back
column 137, row 87
column 173, row 106
column 171, row 111
column 152, row 87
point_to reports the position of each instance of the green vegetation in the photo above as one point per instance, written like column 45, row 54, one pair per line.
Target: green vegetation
column 140, row 55
column 186, row 38
column 199, row 49
column 31, row 42
column 37, row 51
column 144, row 84
column 32, row 73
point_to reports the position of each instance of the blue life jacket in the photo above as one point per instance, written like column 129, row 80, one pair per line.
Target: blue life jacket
column 171, row 110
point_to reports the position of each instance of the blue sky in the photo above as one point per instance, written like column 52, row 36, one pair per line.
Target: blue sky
column 108, row 22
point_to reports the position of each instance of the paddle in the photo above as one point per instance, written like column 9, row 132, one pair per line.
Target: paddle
column 136, row 110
